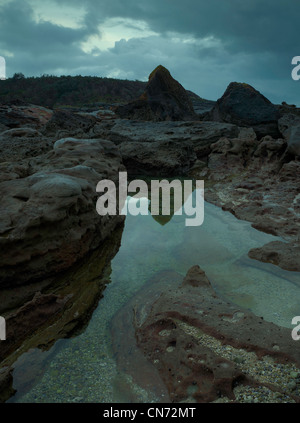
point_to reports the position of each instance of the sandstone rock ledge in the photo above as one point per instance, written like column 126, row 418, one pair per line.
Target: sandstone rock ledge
column 39, row 314
column 55, row 248
column 48, row 210
column 208, row 350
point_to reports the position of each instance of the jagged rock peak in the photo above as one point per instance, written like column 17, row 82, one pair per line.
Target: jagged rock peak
column 164, row 99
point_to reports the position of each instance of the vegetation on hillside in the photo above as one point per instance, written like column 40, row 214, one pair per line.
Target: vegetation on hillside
column 77, row 91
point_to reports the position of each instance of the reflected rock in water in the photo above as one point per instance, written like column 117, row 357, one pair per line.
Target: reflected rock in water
column 169, row 198
column 61, row 310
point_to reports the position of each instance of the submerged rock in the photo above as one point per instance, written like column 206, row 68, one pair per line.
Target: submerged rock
column 242, row 105
column 285, row 255
column 164, row 99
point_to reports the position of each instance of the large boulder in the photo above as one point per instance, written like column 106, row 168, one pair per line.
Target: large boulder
column 164, row 99
column 48, row 212
column 242, row 105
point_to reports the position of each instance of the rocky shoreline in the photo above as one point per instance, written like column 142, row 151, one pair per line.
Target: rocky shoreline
column 51, row 162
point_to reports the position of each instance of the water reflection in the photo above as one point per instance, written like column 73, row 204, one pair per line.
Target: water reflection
column 31, row 346
column 165, row 198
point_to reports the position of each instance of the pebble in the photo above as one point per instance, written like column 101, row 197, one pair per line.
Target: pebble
column 292, row 385
column 294, row 375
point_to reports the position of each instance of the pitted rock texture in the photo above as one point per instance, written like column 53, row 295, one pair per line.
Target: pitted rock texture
column 286, row 255
column 258, row 181
column 206, row 349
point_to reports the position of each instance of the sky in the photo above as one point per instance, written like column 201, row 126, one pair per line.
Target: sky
column 205, row 44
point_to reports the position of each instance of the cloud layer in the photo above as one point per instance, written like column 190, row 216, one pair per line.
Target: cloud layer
column 205, row 45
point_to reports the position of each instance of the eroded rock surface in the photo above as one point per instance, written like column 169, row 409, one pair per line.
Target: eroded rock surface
column 209, row 350
column 286, row 255
column 196, row 132
column 252, row 179
column 48, row 208
column 62, row 308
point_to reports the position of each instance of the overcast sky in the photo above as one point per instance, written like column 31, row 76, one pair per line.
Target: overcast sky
column 206, row 44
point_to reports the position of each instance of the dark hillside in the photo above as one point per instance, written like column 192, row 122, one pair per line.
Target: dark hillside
column 73, row 91
column 76, row 91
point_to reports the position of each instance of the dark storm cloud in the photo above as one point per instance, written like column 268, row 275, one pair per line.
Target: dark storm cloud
column 253, row 25
column 19, row 32
column 250, row 41
column 37, row 47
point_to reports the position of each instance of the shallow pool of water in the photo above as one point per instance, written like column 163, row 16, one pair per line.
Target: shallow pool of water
column 83, row 369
